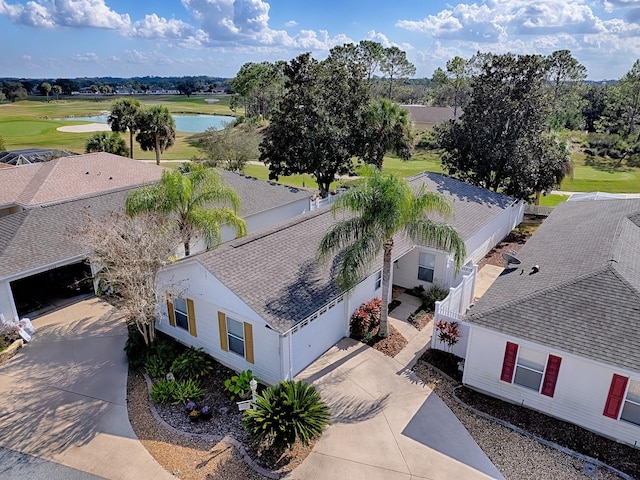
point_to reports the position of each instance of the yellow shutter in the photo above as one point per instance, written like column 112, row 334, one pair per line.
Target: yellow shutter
column 172, row 314
column 191, row 312
column 222, row 326
column 248, row 342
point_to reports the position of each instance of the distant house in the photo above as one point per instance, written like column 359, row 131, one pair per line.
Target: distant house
column 263, row 303
column 422, row 114
column 561, row 334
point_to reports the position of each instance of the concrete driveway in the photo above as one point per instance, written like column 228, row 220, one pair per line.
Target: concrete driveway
column 386, row 424
column 63, row 411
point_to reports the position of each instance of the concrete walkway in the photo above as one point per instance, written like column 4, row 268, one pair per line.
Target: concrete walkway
column 63, row 411
column 386, row 423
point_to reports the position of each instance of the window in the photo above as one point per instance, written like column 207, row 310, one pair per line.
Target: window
column 378, row 279
column 530, row 368
column 235, row 334
column 631, row 408
column 181, row 313
column 426, row 267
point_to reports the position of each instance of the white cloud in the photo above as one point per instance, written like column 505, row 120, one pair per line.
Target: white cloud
column 291, row 23
column 153, row 26
column 65, row 13
column 89, row 57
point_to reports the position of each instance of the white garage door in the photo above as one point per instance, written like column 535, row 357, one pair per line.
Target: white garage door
column 318, row 334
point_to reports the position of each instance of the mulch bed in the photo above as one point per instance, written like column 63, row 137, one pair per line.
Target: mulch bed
column 617, row 455
column 421, row 320
column 513, row 241
column 390, row 346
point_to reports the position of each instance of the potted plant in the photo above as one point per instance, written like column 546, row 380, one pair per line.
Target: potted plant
column 190, row 406
column 194, row 415
column 205, row 412
column 240, row 385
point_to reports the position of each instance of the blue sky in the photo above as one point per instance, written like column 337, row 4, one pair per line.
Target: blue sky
column 74, row 38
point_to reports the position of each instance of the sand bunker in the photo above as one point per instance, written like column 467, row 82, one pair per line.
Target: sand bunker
column 90, row 127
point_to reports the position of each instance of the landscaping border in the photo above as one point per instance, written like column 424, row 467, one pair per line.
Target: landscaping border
column 543, row 441
column 11, row 350
column 211, row 438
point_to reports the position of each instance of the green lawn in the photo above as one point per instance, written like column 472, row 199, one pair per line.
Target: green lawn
column 29, row 123
column 552, row 200
column 594, row 179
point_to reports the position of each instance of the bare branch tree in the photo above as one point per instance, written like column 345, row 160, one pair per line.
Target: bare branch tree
column 129, row 252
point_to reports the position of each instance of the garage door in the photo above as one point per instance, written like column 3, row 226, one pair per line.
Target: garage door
column 318, row 334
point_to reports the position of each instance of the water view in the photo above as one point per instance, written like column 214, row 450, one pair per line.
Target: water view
column 184, row 123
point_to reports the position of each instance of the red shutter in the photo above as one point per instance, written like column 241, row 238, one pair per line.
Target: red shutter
column 509, row 363
column 551, row 375
column 615, row 397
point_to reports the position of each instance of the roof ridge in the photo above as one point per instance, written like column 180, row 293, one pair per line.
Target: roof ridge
column 537, row 293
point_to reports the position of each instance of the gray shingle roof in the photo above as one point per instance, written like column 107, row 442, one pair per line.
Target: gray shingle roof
column 275, row 271
column 425, row 114
column 474, row 206
column 585, row 299
column 77, row 176
column 41, row 236
column 258, row 196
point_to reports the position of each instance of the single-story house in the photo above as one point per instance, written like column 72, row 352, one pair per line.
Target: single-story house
column 43, row 202
column 263, row 303
column 561, row 333
column 70, row 178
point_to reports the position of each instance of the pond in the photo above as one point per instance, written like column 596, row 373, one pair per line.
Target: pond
column 184, row 123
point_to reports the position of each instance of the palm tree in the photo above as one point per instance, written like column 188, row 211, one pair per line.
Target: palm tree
column 379, row 207
column 386, row 128
column 198, row 200
column 157, row 130
column 105, row 142
column 124, row 117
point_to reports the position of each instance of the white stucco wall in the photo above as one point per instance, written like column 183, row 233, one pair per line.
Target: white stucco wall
column 489, row 235
column 405, row 270
column 254, row 223
column 7, row 306
column 581, row 389
column 191, row 280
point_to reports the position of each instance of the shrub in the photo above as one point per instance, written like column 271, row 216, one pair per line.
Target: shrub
column 365, row 319
column 155, row 367
column 160, row 358
column 289, row 412
column 192, row 363
column 136, row 349
column 435, row 294
column 162, row 391
column 240, row 385
column 186, row 390
column 178, row 393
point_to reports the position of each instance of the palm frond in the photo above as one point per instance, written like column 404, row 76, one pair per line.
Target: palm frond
column 438, row 235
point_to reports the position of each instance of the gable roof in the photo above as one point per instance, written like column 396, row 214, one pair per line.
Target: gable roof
column 285, row 284
column 42, row 236
column 585, row 298
column 275, row 271
column 474, row 206
column 258, row 195
column 73, row 177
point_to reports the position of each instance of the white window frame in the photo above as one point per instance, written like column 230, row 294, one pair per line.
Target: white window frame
column 635, row 402
column 378, row 280
column 235, row 337
column 177, row 313
column 524, row 349
column 427, row 267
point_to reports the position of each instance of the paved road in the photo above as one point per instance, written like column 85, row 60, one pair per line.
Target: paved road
column 63, row 411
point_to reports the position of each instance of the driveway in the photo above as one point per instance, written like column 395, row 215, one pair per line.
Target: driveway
column 386, row 424
column 63, row 411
